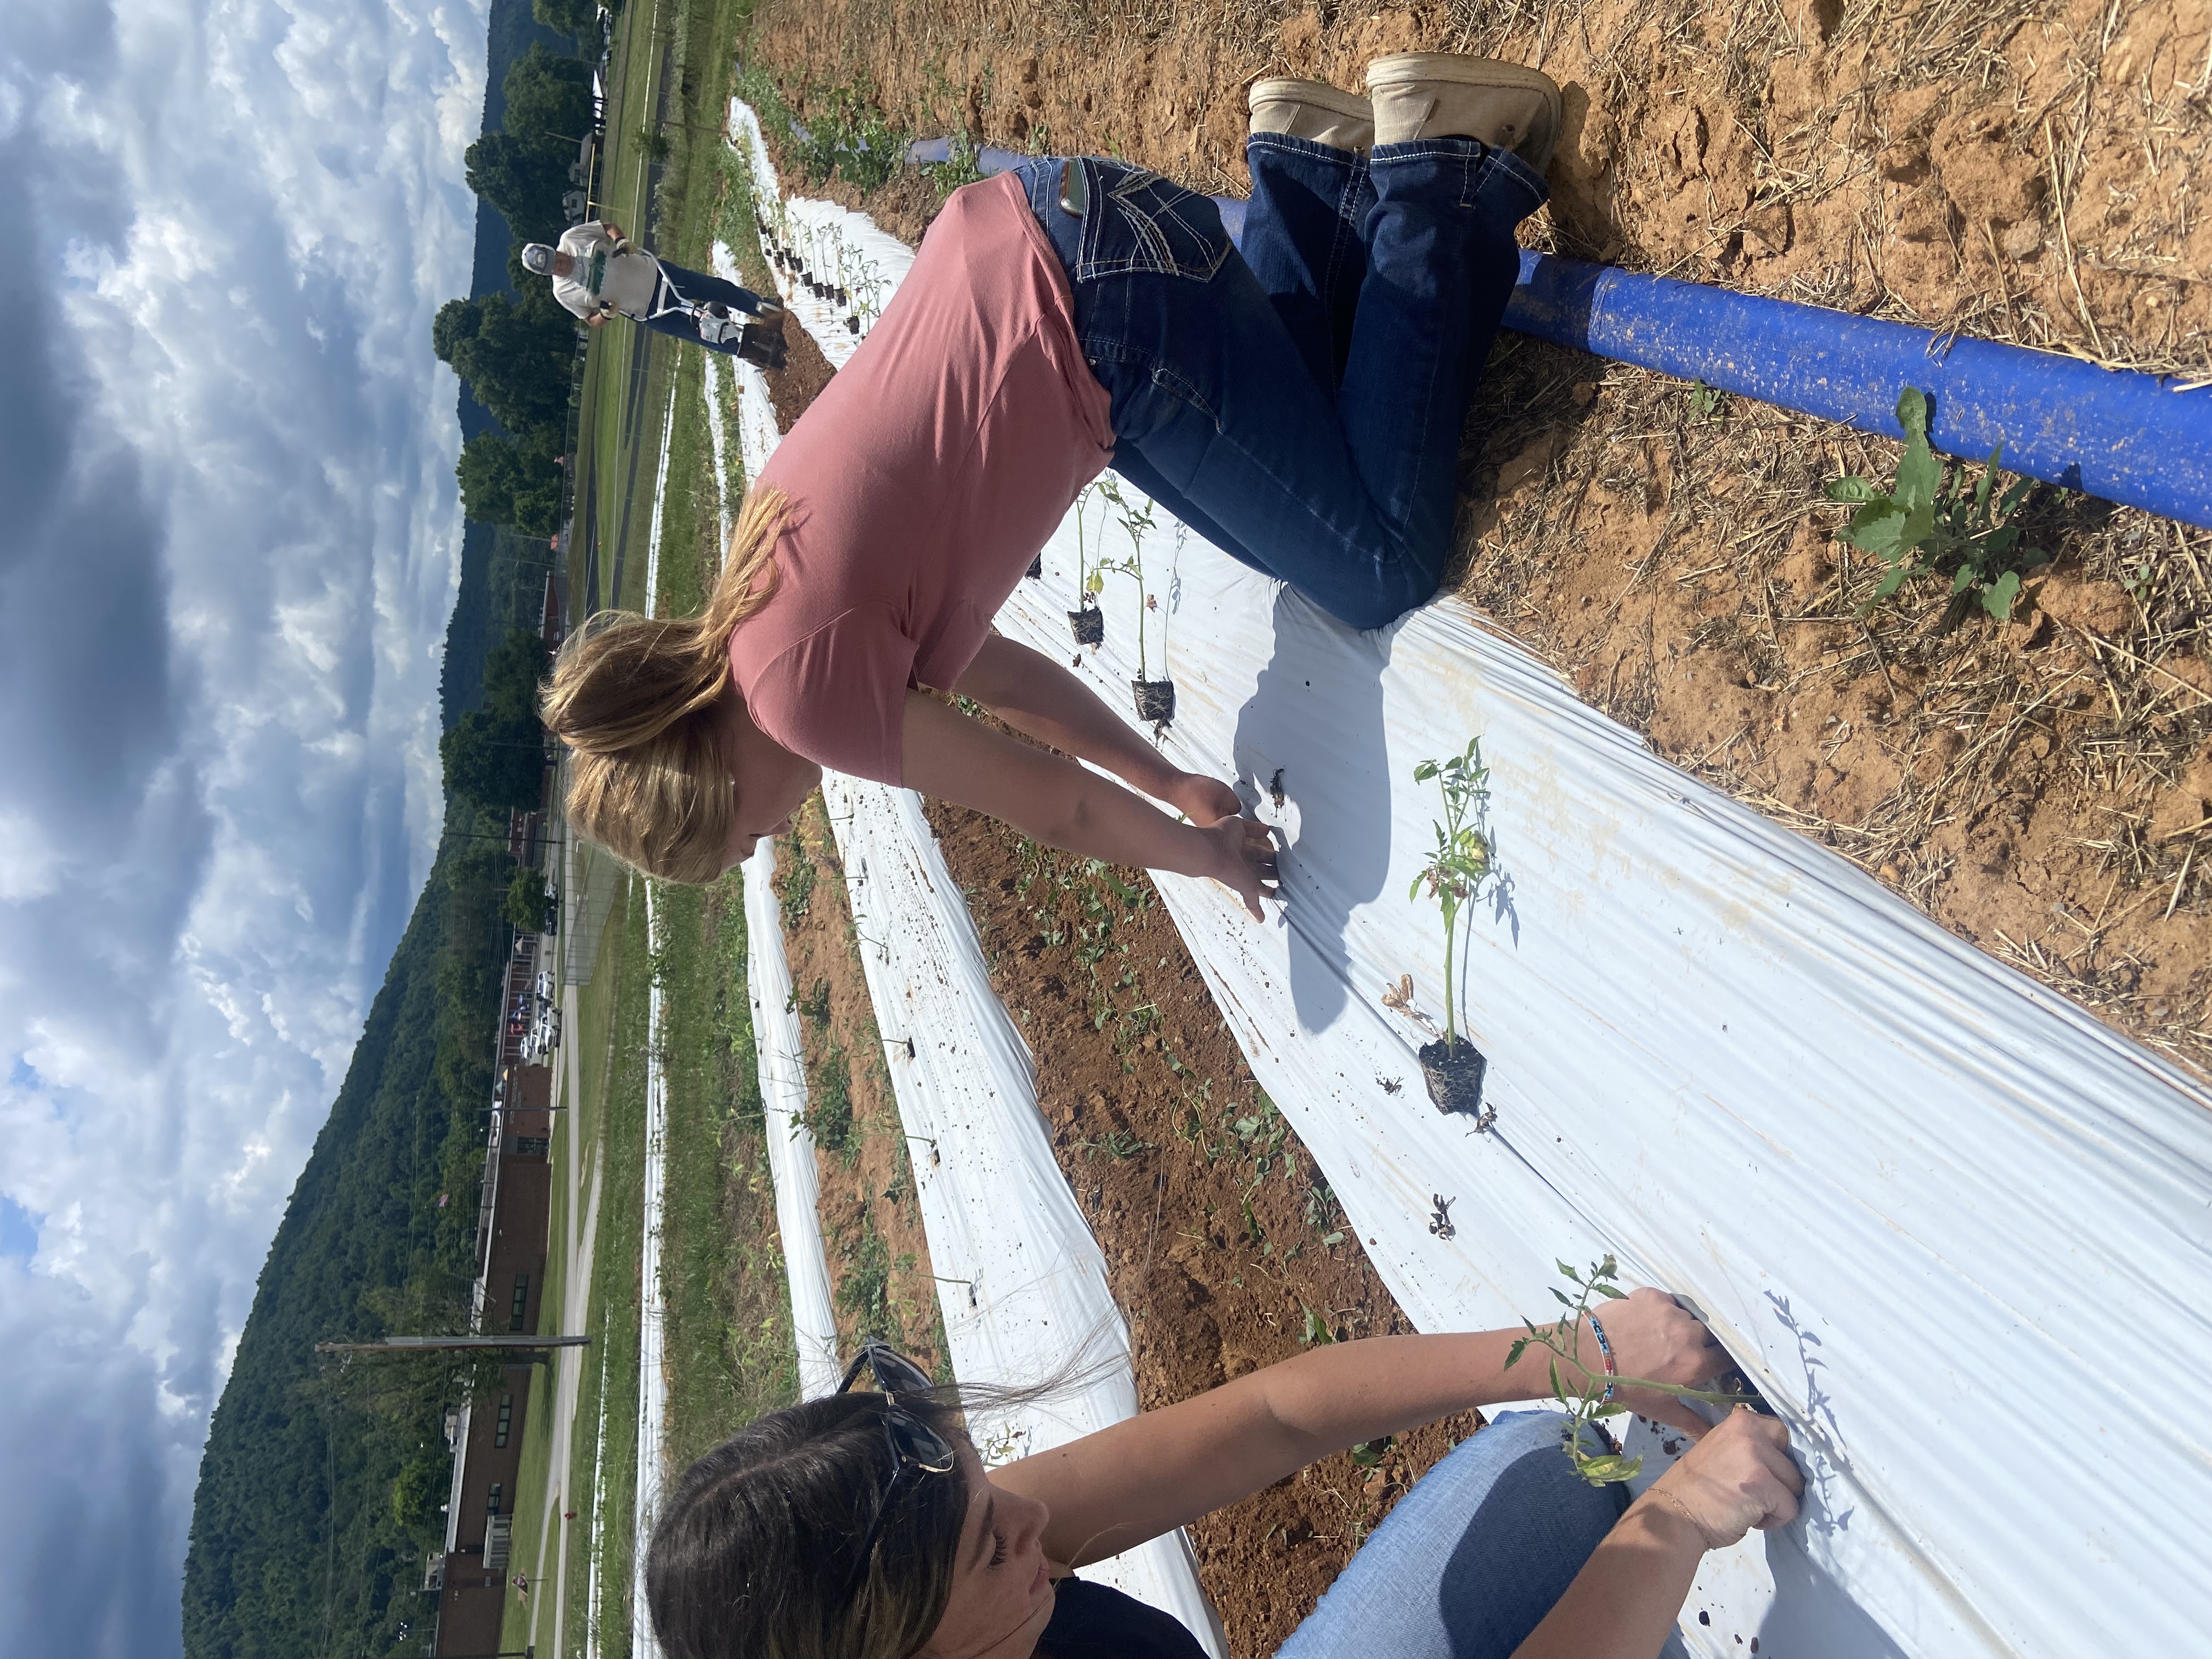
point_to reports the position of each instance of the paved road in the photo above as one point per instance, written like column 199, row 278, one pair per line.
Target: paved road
column 575, row 1308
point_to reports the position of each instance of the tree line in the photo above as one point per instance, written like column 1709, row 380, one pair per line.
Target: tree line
column 515, row 349
column 346, row 1455
column 319, row 1458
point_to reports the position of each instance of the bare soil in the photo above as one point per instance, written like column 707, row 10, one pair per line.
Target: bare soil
column 2042, row 787
column 872, row 1231
column 805, row 373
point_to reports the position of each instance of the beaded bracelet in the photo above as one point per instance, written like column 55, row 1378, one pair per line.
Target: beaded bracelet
column 1605, row 1348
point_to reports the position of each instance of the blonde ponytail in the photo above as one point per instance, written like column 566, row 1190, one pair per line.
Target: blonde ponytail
column 635, row 699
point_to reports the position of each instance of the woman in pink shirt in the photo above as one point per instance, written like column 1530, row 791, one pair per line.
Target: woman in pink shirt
column 1299, row 403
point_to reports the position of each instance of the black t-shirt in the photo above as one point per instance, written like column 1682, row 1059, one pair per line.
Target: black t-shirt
column 1092, row 1621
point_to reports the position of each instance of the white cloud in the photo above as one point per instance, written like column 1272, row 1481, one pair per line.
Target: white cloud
column 230, row 549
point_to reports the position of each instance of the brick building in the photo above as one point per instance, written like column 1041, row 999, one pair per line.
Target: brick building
column 471, row 1578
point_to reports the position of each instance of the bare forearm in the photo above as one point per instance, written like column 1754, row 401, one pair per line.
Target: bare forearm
column 1038, row 696
column 1098, row 818
column 1627, row 1595
column 1342, row 1394
column 1161, row 1469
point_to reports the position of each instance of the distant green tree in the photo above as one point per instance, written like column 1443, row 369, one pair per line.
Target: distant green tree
column 495, row 756
column 523, row 179
column 574, row 18
column 653, row 144
column 515, row 673
column 504, row 481
column 548, row 99
column 422, row 1483
column 494, row 763
column 525, row 900
column 515, row 354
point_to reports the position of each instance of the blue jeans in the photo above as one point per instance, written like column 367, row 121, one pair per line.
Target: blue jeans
column 699, row 288
column 1299, row 404
column 1473, row 1557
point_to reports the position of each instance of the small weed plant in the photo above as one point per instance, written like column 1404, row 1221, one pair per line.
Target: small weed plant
column 1939, row 518
column 829, row 1113
column 1586, row 1402
column 1460, row 864
column 794, row 883
column 864, row 1290
column 1117, row 1145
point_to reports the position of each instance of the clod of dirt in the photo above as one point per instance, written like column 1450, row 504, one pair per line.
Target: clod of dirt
column 1806, row 565
column 2102, row 608
column 2182, row 808
column 1987, row 175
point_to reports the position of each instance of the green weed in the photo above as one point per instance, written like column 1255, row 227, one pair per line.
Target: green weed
column 829, row 1113
column 814, row 1005
column 794, row 881
column 847, row 136
column 1938, row 519
column 864, row 1290
column 1322, row 1212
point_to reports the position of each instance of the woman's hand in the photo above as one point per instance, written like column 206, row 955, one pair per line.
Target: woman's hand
column 1739, row 1476
column 1244, row 848
column 1656, row 1337
column 1630, row 1589
column 1243, row 859
column 1202, row 799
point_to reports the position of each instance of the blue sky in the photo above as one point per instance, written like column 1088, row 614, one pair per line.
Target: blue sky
column 228, row 547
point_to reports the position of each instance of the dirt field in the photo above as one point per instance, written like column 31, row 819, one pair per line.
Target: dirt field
column 2043, row 787
column 872, row 1231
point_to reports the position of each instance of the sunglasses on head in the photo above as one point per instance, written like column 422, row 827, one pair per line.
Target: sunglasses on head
column 914, row 1444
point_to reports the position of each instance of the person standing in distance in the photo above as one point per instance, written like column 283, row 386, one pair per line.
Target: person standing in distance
column 598, row 273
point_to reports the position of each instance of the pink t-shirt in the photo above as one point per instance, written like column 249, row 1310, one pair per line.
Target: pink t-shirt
column 922, row 481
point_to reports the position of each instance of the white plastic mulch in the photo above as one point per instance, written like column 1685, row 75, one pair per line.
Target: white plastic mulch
column 790, row 1145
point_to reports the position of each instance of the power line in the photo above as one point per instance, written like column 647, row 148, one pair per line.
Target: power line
column 415, row 1344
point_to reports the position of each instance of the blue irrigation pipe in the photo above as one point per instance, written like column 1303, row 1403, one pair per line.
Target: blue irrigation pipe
column 2140, row 439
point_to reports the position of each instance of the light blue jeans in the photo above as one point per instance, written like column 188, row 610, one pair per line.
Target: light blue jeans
column 1473, row 1557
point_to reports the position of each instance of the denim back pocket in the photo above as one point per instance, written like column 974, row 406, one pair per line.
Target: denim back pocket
column 1140, row 222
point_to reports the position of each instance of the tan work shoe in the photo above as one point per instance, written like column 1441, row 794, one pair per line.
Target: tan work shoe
column 1443, row 95
column 1312, row 110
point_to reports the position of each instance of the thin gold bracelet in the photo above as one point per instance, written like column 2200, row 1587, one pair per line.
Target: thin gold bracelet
column 1683, row 1509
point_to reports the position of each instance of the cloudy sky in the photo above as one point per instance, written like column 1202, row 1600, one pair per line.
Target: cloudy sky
column 228, row 544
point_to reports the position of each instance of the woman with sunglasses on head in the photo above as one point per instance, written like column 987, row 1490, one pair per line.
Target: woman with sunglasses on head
column 1297, row 400
column 864, row 1526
